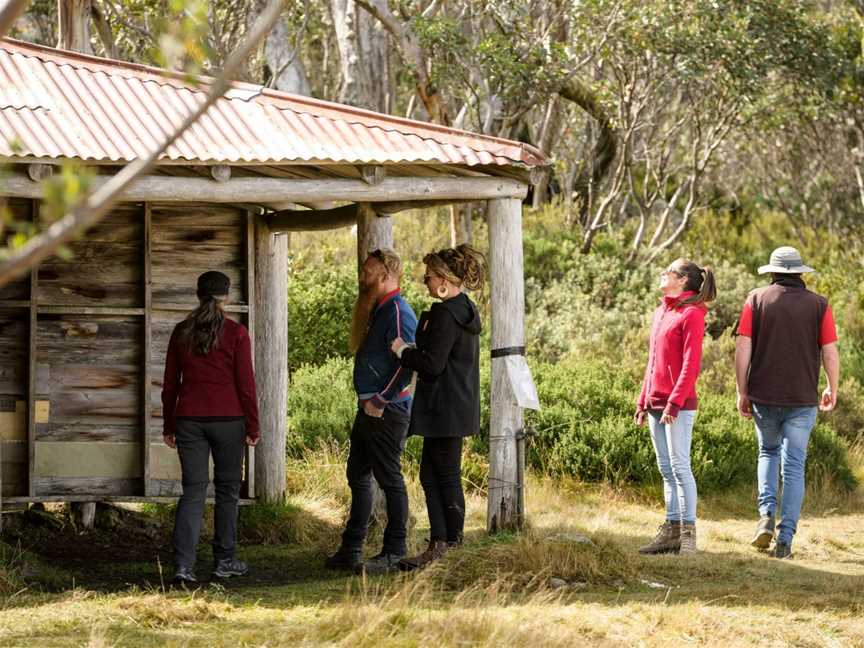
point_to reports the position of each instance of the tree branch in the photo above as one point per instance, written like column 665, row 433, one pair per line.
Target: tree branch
column 97, row 205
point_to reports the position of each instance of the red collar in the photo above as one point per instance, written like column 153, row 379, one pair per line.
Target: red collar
column 675, row 302
column 387, row 297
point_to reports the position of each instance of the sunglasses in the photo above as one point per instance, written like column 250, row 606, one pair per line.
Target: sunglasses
column 668, row 271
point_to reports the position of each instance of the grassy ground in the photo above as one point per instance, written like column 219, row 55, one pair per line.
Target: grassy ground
column 492, row 592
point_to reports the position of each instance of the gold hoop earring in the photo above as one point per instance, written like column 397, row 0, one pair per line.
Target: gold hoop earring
column 442, row 291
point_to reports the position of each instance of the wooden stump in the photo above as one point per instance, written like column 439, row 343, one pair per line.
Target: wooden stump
column 271, row 360
column 508, row 333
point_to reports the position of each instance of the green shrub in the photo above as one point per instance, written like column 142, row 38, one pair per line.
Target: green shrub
column 585, row 429
column 321, row 404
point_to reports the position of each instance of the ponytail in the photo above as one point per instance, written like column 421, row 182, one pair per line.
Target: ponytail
column 699, row 280
column 201, row 329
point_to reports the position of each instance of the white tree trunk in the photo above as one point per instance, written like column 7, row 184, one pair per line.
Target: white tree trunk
column 271, row 360
column 287, row 72
column 508, row 331
column 73, row 25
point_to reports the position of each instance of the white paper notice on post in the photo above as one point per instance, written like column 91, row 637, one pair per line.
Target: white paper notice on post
column 521, row 382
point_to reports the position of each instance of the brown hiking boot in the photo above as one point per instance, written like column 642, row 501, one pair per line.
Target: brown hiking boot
column 688, row 539
column 764, row 532
column 668, row 539
column 435, row 550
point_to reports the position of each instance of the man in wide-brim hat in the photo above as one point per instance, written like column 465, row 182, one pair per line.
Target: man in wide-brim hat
column 786, row 334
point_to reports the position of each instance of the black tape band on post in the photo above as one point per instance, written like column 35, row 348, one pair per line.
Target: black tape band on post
column 508, row 351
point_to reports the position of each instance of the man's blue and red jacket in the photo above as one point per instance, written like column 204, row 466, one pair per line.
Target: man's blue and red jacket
column 378, row 376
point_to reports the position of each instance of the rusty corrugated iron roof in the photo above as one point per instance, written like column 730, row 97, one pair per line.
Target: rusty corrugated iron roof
column 59, row 104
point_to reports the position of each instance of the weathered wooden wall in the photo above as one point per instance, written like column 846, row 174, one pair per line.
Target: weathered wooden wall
column 79, row 362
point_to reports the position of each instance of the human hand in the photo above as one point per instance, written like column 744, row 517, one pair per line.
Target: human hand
column 371, row 410
column 169, row 440
column 252, row 442
column 397, row 345
column 829, row 400
column 639, row 417
column 745, row 408
column 667, row 419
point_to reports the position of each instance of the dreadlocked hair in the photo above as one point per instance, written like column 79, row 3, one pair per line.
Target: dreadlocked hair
column 462, row 266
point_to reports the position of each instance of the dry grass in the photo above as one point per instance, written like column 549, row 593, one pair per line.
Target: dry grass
column 499, row 591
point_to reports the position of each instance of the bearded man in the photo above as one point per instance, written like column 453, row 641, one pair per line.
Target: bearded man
column 384, row 407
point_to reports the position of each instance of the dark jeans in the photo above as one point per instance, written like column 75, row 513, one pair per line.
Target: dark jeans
column 196, row 440
column 376, row 449
column 441, row 476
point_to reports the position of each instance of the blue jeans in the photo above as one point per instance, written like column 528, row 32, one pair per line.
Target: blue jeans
column 672, row 447
column 783, row 434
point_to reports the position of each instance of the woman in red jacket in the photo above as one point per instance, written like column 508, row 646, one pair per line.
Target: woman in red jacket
column 668, row 396
column 209, row 406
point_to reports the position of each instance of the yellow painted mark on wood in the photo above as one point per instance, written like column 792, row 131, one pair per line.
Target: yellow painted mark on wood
column 13, row 425
column 43, row 411
column 88, row 459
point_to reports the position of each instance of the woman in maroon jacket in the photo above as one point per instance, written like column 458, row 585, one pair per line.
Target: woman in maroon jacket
column 209, row 406
column 668, row 396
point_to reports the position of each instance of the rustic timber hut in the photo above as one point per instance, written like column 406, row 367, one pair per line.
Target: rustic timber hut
column 82, row 340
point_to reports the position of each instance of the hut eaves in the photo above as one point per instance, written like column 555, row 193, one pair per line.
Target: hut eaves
column 56, row 104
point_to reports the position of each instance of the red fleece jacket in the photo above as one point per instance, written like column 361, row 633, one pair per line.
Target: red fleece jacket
column 219, row 384
column 674, row 356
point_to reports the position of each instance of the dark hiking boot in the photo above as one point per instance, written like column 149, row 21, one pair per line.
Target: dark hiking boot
column 688, row 540
column 435, row 550
column 667, row 540
column 345, row 559
column 228, row 567
column 383, row 563
column 184, row 576
column 764, row 532
column 782, row 550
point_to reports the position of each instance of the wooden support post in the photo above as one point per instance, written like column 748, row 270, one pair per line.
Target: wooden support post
column 508, row 332
column 250, row 325
column 373, row 232
column 271, row 360
column 147, row 378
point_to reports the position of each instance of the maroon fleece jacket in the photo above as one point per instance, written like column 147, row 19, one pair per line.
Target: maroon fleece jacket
column 218, row 384
column 674, row 356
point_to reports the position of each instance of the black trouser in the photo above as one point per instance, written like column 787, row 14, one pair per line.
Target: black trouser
column 196, row 439
column 376, row 449
column 441, row 476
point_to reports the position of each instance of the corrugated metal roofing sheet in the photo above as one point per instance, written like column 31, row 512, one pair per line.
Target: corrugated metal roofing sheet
column 58, row 104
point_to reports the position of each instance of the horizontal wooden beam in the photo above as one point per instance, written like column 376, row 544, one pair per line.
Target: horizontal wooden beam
column 266, row 190
column 300, row 220
column 12, row 501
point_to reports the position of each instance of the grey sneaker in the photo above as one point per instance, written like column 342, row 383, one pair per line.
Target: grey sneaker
column 184, row 576
column 228, row 567
column 764, row 532
column 667, row 540
column 383, row 563
column 782, row 550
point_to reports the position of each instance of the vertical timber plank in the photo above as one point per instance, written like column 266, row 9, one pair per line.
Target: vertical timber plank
column 31, row 369
column 250, row 323
column 508, row 330
column 147, row 379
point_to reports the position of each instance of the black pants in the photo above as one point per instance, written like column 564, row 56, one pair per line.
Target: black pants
column 196, row 440
column 441, row 476
column 376, row 449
